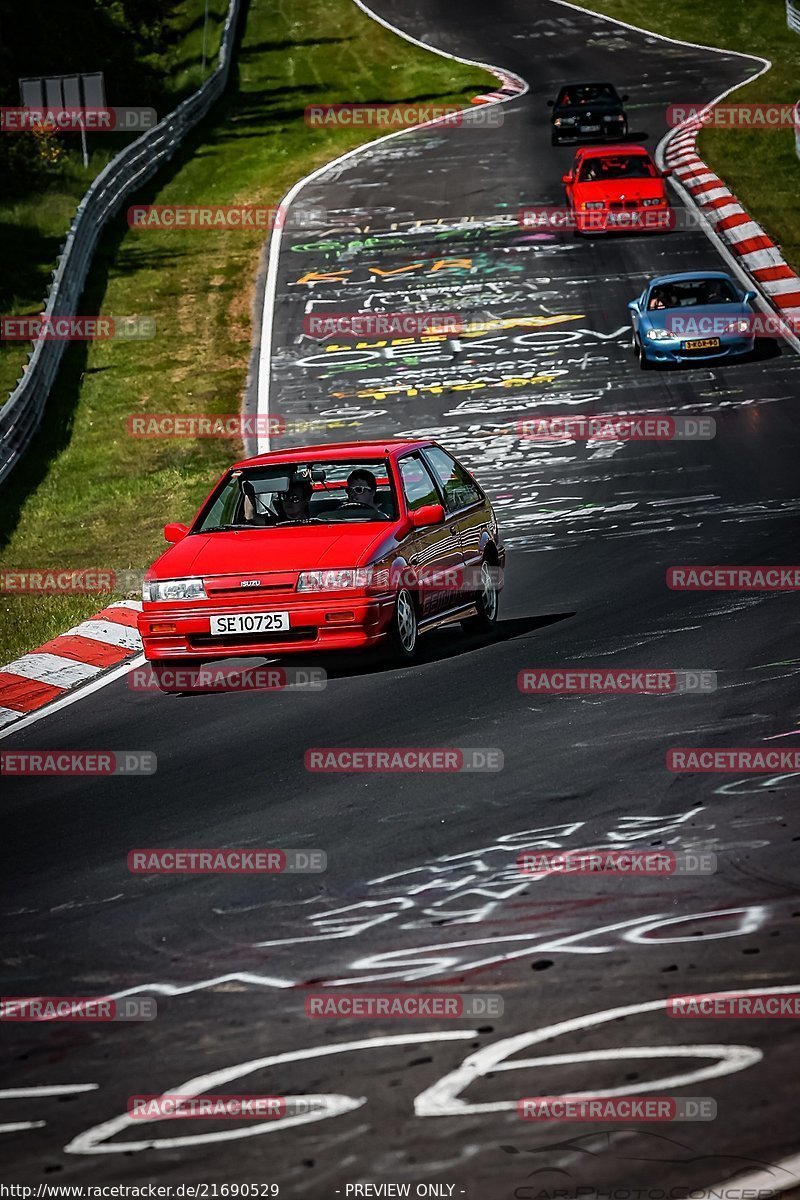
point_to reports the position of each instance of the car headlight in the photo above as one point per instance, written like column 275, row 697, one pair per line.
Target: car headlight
column 651, row 203
column 565, row 121
column 173, row 589
column 335, row 580
column 594, row 204
column 742, row 326
column 660, row 335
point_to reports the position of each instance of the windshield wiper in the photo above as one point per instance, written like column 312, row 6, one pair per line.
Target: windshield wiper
column 302, row 521
column 227, row 528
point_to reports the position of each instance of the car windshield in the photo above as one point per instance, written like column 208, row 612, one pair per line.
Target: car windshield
column 307, row 493
column 587, row 93
column 690, row 293
column 628, row 166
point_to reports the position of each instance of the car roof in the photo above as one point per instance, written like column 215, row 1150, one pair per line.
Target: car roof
column 687, row 276
column 610, row 151
column 334, row 450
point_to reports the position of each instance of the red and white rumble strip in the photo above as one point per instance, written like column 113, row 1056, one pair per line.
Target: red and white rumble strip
column 744, row 238
column 72, row 658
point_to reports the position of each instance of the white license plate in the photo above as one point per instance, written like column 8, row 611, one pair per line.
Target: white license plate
column 267, row 622
column 590, row 128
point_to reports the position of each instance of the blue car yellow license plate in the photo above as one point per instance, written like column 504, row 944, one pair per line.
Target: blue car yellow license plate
column 702, row 344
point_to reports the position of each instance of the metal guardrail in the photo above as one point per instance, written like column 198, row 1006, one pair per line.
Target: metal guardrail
column 793, row 15
column 22, row 413
column 797, row 128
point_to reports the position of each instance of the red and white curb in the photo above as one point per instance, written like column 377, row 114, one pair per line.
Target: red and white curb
column 512, row 85
column 751, row 246
column 69, row 660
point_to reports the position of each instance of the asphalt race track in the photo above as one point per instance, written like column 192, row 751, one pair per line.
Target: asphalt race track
column 422, row 888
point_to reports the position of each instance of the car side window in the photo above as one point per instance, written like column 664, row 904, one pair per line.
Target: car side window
column 418, row 486
column 224, row 508
column 459, row 490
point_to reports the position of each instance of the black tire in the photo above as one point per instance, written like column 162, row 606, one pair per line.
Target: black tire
column 403, row 631
column 644, row 361
column 487, row 602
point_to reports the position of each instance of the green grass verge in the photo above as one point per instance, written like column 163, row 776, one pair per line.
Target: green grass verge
column 87, row 494
column 762, row 168
column 34, row 221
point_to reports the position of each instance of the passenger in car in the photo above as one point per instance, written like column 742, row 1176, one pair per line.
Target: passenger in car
column 293, row 504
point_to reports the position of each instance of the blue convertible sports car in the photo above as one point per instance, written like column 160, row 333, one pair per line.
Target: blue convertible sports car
column 694, row 315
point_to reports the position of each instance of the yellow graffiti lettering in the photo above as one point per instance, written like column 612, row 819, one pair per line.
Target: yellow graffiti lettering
column 451, row 264
column 324, row 276
column 436, row 389
column 397, row 270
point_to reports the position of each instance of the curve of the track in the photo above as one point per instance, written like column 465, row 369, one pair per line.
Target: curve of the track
column 422, row 887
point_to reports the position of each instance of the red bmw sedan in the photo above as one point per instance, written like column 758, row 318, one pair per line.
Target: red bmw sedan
column 325, row 548
column 618, row 189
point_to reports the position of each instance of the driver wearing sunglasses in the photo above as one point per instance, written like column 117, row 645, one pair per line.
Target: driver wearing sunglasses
column 361, row 487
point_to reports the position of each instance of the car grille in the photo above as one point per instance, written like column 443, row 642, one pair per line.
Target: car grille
column 235, row 589
column 268, row 582
column 619, row 205
column 205, row 641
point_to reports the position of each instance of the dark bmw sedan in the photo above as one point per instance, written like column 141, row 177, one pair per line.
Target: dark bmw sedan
column 588, row 112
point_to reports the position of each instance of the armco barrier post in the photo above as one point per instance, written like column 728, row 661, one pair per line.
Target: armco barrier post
column 22, row 413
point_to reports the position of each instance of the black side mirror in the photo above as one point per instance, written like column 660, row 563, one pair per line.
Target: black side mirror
column 550, row 103
column 625, row 97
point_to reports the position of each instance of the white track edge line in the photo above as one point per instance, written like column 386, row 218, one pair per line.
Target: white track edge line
column 270, row 285
column 751, row 283
column 72, row 696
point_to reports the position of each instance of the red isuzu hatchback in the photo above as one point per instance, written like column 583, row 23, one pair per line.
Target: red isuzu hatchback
column 325, row 548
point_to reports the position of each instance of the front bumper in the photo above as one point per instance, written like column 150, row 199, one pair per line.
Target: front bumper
column 631, row 220
column 660, row 352
column 317, row 623
column 611, row 131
